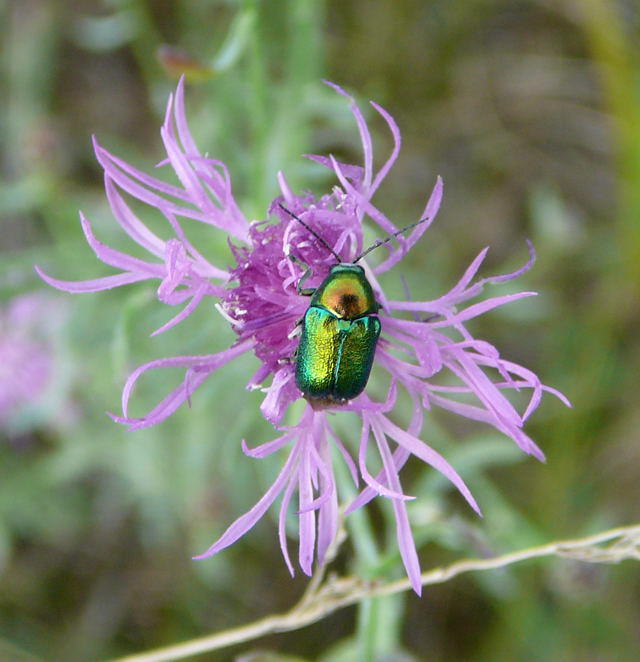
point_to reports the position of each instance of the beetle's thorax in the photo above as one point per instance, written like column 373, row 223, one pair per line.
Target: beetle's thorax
column 346, row 293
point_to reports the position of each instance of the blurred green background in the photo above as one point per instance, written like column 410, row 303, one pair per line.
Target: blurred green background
column 530, row 110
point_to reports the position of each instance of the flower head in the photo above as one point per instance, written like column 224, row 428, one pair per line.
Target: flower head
column 433, row 357
column 26, row 354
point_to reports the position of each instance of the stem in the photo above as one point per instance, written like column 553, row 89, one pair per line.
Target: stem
column 338, row 593
column 368, row 556
column 303, row 70
column 258, row 104
column 616, row 56
column 368, row 611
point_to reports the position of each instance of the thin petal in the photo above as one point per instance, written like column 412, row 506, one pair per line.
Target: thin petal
column 131, row 186
column 130, row 223
column 117, row 259
column 208, row 363
column 184, row 313
column 263, row 450
column 352, row 172
column 479, row 414
column 306, row 519
column 345, row 454
column 428, row 455
column 94, row 285
column 115, row 168
column 368, row 478
column 328, row 515
column 363, row 201
column 365, row 136
column 518, row 272
column 325, row 476
column 168, row 405
column 404, row 535
column 480, row 308
column 430, row 212
column 400, row 457
column 397, row 142
column 248, row 520
column 282, row 522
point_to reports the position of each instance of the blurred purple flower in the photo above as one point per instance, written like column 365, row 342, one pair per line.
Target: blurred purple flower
column 26, row 355
column 434, row 358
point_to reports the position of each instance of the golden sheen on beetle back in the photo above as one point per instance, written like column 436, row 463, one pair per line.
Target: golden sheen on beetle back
column 340, row 332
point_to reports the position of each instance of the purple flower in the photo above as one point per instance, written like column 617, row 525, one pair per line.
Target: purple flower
column 433, row 358
column 26, row 354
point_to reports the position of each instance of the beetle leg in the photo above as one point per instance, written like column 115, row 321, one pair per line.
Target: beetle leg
column 297, row 329
column 303, row 291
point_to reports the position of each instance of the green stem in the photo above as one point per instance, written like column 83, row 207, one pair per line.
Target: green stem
column 367, row 556
column 259, row 104
column 368, row 611
column 379, row 619
column 303, row 70
column 616, row 57
column 359, row 522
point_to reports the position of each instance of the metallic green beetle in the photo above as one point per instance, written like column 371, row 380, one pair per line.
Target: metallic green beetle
column 340, row 329
column 339, row 336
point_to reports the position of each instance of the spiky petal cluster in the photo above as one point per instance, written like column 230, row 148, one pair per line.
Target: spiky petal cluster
column 260, row 300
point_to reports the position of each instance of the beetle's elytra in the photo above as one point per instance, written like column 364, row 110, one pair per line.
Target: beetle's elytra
column 340, row 332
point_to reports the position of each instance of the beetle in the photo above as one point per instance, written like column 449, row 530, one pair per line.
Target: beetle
column 340, row 328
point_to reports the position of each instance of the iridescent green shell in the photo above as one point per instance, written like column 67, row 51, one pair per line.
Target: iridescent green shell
column 339, row 336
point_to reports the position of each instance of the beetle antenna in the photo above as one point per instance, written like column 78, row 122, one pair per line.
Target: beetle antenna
column 315, row 234
column 387, row 239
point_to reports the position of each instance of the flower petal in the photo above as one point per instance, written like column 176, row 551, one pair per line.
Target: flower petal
column 248, row 520
column 94, row 285
column 428, row 455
